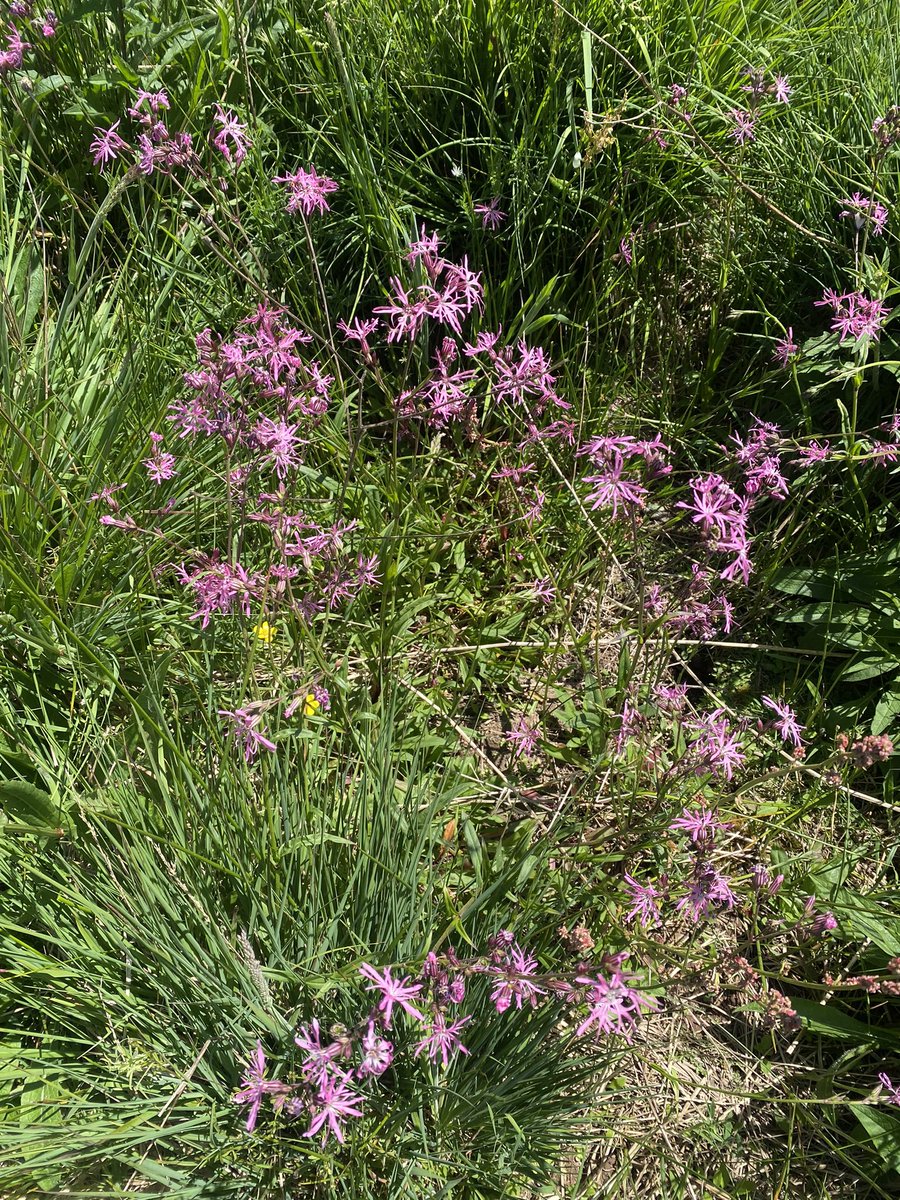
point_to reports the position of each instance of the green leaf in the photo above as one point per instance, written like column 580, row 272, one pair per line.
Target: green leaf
column 864, row 923
column 51, row 83
column 30, row 805
column 884, row 1133
column 869, row 668
column 886, row 710
column 831, row 1022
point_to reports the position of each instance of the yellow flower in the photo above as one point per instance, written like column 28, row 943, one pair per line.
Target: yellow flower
column 265, row 632
column 310, row 705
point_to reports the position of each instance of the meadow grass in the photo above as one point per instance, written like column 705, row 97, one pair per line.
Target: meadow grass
column 511, row 688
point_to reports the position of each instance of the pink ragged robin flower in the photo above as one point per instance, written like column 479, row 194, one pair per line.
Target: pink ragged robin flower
column 786, row 348
column 606, row 450
column 762, row 438
column 443, row 1039
column 255, row 1087
column 786, row 726
column 491, row 216
column 534, row 509
column 160, row 465
column 108, row 495
column 544, row 590
column 281, row 444
column 464, row 286
column 484, row 343
column 613, row 491
column 855, row 314
column 450, row 305
column 700, row 824
column 716, row 747
column 765, row 479
column 744, row 127
column 308, row 607
column 523, row 736
column 561, row 430
column 715, row 506
column 13, row 56
column 306, row 191
column 672, row 697
column 514, row 474
column 514, row 970
column 891, row 1090
column 614, row 1007
column 220, row 587
column 378, row 1053
column 407, row 312
column 107, row 145
column 243, row 729
column 128, row 523
column 393, row 991
column 523, row 377
column 863, row 211
column 360, row 331
column 231, row 138
column 741, row 564
column 147, row 106
column 782, row 89
column 708, row 888
column 367, row 571
column 644, row 897
column 318, row 1060
column 159, row 152
column 426, row 249
column 337, row 584
column 334, row 1102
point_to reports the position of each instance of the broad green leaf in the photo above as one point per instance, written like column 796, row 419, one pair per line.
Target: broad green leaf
column 886, row 711
column 831, row 1022
column 883, row 1128
column 30, row 805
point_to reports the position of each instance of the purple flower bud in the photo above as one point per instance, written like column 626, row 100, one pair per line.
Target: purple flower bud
column 759, row 878
column 457, row 990
column 823, row 923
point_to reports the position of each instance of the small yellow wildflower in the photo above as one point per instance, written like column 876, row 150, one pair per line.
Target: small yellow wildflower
column 310, row 705
column 265, row 632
